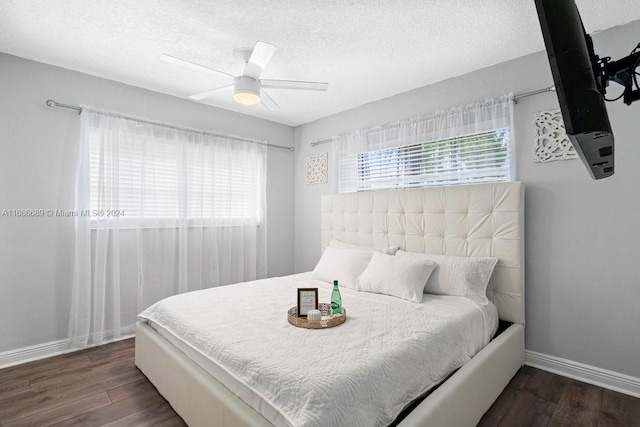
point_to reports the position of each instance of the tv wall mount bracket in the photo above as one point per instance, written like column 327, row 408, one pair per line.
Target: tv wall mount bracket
column 623, row 72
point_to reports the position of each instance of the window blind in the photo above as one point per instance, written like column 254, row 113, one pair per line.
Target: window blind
column 474, row 158
column 158, row 179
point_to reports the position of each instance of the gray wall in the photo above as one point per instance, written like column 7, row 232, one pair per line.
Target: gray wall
column 582, row 236
column 36, row 171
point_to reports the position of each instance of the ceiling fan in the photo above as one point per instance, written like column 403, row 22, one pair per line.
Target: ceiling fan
column 249, row 87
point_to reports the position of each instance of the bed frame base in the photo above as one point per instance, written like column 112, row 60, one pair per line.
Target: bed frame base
column 202, row 401
column 463, row 399
column 196, row 396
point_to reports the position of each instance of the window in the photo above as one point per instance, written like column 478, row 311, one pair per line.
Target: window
column 481, row 157
column 160, row 179
column 464, row 145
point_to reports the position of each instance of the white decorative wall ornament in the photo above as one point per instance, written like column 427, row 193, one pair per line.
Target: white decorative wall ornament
column 317, row 169
column 551, row 141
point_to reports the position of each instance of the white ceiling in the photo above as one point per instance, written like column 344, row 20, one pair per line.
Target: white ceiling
column 367, row 49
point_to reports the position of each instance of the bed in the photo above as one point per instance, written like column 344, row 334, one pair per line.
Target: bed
column 472, row 221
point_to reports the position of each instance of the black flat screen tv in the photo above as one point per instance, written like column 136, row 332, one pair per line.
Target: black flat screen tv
column 576, row 71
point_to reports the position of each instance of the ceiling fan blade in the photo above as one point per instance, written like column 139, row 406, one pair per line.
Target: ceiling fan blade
column 292, row 84
column 207, row 94
column 268, row 102
column 177, row 61
column 260, row 57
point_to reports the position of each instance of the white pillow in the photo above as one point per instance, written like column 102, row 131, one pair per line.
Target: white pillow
column 400, row 277
column 459, row 276
column 391, row 250
column 343, row 265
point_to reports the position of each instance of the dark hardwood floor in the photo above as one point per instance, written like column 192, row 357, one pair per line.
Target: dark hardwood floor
column 102, row 387
column 539, row 398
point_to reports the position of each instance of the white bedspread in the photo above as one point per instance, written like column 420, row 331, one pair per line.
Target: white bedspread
column 361, row 373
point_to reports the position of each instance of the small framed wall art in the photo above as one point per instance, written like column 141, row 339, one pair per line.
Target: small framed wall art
column 317, row 169
column 307, row 300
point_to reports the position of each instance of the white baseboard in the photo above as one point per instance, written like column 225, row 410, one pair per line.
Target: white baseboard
column 34, row 352
column 42, row 351
column 589, row 374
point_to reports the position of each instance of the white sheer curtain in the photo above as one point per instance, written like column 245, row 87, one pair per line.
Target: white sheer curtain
column 472, row 143
column 161, row 210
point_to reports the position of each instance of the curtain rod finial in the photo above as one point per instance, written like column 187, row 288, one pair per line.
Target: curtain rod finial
column 51, row 103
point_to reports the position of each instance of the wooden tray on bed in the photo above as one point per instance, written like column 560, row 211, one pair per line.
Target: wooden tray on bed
column 329, row 320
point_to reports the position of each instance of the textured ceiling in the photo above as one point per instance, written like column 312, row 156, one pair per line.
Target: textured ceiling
column 367, row 50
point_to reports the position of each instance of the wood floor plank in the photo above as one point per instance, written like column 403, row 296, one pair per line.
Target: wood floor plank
column 27, row 403
column 131, row 389
column 115, row 411
column 519, row 381
column 11, row 387
column 156, row 416
column 62, row 412
column 528, row 410
column 115, row 350
column 40, row 399
column 74, row 374
column 489, row 420
column 579, row 405
column 547, row 386
column 505, row 401
column 528, row 370
column 499, row 409
column 172, row 422
column 73, row 359
column 82, row 376
column 619, row 410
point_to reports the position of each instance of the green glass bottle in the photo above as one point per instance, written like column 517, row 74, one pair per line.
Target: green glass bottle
column 336, row 299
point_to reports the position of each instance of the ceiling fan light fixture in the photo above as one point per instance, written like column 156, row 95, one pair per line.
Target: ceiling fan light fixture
column 246, row 97
column 247, row 90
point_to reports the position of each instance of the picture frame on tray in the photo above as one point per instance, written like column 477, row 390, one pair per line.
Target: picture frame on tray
column 307, row 300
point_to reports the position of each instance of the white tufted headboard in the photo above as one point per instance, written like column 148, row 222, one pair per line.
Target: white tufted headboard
column 468, row 220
